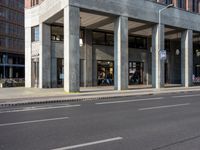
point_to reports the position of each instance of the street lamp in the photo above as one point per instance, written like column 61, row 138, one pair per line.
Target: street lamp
column 160, row 12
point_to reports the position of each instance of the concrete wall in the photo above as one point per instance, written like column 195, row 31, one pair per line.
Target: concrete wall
column 49, row 10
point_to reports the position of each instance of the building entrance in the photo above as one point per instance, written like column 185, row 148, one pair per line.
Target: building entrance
column 105, row 73
column 136, row 74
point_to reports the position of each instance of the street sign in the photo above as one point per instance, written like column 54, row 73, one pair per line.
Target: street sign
column 163, row 55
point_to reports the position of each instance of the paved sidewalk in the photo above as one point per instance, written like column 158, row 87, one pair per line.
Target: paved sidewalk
column 17, row 96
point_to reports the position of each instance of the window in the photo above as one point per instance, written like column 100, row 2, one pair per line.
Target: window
column 35, row 33
column 181, row 3
column 167, row 45
column 109, row 39
column 168, row 1
column 105, row 73
column 99, row 38
column 57, row 33
column 137, row 42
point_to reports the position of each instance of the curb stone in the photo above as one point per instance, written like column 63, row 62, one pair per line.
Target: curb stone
column 60, row 99
column 63, row 100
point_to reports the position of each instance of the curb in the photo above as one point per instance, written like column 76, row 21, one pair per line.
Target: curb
column 60, row 99
column 63, row 100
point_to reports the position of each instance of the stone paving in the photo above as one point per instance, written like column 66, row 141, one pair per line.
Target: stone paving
column 34, row 95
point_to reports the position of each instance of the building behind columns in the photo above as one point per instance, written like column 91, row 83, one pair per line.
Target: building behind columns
column 11, row 39
column 73, row 44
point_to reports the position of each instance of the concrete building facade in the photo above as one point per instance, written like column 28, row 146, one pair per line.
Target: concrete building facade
column 11, row 39
column 72, row 43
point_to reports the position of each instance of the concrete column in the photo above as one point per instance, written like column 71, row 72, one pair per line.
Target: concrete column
column 71, row 49
column 10, row 72
column 148, row 61
column 158, row 66
column 187, row 57
column 54, row 72
column 28, row 47
column 45, row 56
column 121, row 53
column 88, row 58
column 94, row 68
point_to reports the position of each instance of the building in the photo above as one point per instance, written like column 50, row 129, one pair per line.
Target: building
column 75, row 43
column 11, row 39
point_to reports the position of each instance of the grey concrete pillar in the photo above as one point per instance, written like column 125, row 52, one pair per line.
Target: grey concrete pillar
column 45, row 56
column 148, row 61
column 28, row 66
column 158, row 66
column 121, row 53
column 88, row 58
column 71, row 49
column 10, row 72
column 94, row 68
column 187, row 57
column 54, row 72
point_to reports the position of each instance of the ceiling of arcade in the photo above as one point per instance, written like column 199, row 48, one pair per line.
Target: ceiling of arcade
column 102, row 22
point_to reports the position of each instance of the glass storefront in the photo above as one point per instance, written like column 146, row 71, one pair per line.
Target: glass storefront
column 105, row 73
column 136, row 72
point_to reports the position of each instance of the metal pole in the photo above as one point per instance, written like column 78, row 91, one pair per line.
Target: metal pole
column 159, row 36
column 159, row 21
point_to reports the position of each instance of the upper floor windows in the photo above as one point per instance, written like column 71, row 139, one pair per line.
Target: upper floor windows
column 168, row 1
column 181, row 3
column 190, row 5
column 35, row 33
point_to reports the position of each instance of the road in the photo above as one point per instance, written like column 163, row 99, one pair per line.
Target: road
column 154, row 122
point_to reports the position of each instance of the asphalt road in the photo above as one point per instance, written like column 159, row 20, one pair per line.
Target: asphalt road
column 156, row 122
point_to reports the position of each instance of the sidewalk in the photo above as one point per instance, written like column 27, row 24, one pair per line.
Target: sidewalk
column 20, row 96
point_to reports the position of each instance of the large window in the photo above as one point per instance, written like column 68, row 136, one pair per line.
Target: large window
column 137, row 42
column 102, row 38
column 35, row 33
column 105, row 75
column 99, row 38
column 136, row 72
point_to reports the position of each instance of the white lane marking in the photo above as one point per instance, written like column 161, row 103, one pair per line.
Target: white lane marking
column 128, row 101
column 181, row 96
column 166, row 106
column 89, row 144
column 38, row 108
column 33, row 121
